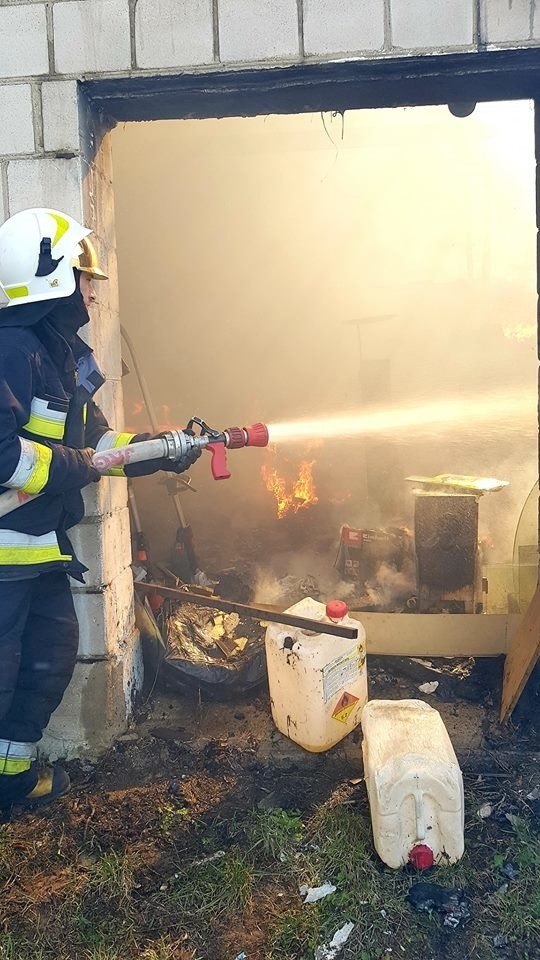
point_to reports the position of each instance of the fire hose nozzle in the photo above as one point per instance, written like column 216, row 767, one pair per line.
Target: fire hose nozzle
column 233, row 438
column 257, row 435
column 254, row 436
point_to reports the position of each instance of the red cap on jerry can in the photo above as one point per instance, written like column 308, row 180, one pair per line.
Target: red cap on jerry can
column 336, row 609
column 421, row 856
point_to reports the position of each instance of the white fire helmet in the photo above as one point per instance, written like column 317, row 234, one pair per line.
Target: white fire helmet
column 37, row 248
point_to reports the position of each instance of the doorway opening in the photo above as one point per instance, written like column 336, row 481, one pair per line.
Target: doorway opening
column 365, row 281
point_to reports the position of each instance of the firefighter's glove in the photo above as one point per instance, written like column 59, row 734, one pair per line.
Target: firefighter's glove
column 150, row 467
column 185, row 462
column 87, row 463
column 180, row 466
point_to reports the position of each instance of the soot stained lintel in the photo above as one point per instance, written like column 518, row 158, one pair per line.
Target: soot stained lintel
column 311, row 87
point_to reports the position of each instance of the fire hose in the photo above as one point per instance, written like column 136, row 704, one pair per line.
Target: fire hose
column 173, row 446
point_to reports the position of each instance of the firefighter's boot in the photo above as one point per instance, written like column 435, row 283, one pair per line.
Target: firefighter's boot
column 46, row 784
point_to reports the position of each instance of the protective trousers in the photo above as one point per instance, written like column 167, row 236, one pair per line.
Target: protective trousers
column 39, row 636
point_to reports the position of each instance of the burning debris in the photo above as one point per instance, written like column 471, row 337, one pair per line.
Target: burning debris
column 300, row 494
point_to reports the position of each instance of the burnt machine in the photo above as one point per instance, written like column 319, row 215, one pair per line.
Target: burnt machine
column 444, row 550
column 448, row 568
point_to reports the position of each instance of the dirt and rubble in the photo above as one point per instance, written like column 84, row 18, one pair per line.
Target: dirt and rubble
column 191, row 838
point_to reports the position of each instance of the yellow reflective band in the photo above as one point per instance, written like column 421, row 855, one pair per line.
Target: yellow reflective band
column 12, row 767
column 43, row 427
column 85, row 413
column 40, row 474
column 25, row 549
column 26, row 556
column 62, row 226
column 122, row 439
column 15, row 292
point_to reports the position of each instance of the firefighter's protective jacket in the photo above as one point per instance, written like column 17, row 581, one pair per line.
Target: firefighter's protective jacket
column 43, row 427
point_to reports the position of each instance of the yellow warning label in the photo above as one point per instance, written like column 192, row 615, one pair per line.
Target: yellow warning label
column 344, row 707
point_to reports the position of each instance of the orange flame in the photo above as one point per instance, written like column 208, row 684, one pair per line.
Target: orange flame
column 303, row 489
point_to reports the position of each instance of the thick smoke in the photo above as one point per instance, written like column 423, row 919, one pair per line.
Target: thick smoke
column 268, row 273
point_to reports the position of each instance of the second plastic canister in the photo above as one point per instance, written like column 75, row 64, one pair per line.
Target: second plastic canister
column 414, row 784
column 318, row 682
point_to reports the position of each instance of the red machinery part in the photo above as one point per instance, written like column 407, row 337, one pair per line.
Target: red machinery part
column 421, row 856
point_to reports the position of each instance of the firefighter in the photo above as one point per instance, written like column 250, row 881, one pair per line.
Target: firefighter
column 49, row 428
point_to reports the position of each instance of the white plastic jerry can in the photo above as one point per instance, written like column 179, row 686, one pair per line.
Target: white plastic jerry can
column 414, row 784
column 318, row 683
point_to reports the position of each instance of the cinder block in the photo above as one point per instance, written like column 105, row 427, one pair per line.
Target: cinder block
column 107, row 496
column 90, row 37
column 172, row 34
column 23, row 41
column 96, row 706
column 502, row 21
column 60, row 115
column 106, row 619
column 341, row 26
column 46, row 182
column 104, row 545
column 16, row 126
column 424, row 25
column 536, row 22
column 3, row 202
column 258, row 29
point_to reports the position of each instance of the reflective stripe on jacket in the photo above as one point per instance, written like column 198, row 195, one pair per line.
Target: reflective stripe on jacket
column 41, row 427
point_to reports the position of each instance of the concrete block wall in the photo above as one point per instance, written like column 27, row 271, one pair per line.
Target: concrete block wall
column 54, row 151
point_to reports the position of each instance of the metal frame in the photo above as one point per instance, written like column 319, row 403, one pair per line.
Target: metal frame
column 306, row 87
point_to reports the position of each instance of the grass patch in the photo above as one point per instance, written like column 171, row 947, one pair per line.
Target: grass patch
column 171, row 818
column 519, row 907
column 275, row 833
column 15, row 948
column 212, row 889
column 340, row 851
column 165, row 949
column 111, row 877
column 295, row 934
column 6, row 854
column 92, row 932
column 179, row 901
column 102, row 953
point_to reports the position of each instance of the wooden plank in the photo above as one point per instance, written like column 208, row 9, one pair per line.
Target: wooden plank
column 522, row 656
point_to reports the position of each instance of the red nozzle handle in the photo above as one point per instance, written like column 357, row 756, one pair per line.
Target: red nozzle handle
column 254, row 436
column 257, row 435
column 219, row 461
